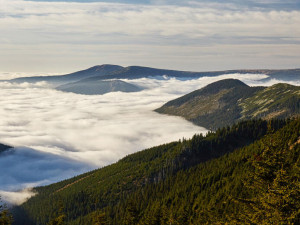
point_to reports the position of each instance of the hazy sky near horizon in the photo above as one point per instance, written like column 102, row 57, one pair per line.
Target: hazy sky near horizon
column 65, row 36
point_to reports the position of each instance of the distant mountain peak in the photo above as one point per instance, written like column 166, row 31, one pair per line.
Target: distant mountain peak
column 95, row 71
column 227, row 83
column 105, row 66
column 111, row 71
column 222, row 85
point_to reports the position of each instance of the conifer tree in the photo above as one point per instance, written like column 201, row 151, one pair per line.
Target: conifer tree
column 60, row 219
column 100, row 219
column 131, row 214
column 5, row 217
column 275, row 185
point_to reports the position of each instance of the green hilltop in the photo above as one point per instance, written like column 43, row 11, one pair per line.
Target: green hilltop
column 228, row 101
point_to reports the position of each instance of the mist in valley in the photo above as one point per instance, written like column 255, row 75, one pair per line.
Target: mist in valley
column 58, row 135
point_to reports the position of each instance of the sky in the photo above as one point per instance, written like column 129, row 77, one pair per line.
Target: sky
column 196, row 35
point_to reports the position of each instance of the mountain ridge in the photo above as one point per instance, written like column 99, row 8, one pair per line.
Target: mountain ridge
column 212, row 88
column 110, row 71
column 98, row 70
column 225, row 102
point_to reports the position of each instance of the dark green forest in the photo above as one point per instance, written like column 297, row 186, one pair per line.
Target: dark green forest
column 244, row 174
column 5, row 215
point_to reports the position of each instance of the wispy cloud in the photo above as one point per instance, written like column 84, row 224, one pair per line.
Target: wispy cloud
column 262, row 4
column 63, row 35
column 17, row 197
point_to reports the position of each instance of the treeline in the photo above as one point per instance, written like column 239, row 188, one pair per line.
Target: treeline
column 223, row 177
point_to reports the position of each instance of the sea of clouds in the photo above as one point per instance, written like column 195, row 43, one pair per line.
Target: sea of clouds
column 58, row 135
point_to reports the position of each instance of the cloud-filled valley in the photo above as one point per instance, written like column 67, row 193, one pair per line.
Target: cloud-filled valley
column 24, row 168
column 59, row 135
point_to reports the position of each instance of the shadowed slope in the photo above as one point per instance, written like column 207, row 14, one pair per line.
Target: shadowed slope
column 72, row 77
column 100, row 87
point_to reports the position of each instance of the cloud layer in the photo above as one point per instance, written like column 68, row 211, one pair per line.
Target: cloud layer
column 66, row 134
column 41, row 36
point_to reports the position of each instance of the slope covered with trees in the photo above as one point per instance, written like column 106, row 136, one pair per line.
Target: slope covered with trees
column 228, row 101
column 279, row 100
column 5, row 216
column 196, row 181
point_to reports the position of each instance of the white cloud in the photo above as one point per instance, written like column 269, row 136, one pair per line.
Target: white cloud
column 5, row 76
column 17, row 197
column 43, row 20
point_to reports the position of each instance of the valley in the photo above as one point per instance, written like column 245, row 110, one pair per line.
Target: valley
column 108, row 121
column 151, row 112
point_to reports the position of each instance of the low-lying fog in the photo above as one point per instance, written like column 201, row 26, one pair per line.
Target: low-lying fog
column 58, row 135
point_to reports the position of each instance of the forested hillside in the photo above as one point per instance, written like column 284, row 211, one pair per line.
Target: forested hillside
column 5, row 215
column 224, row 176
column 228, row 101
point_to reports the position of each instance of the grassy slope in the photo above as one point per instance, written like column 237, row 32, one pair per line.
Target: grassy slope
column 228, row 101
column 279, row 100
